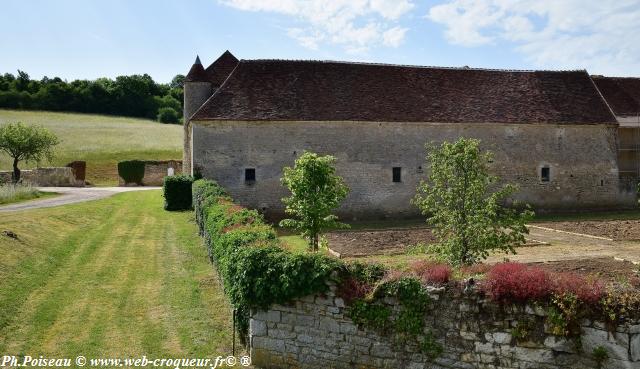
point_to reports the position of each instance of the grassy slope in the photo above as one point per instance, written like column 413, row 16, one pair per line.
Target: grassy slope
column 102, row 141
column 115, row 277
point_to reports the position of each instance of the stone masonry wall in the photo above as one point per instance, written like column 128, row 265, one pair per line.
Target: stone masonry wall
column 155, row 171
column 316, row 332
column 582, row 161
column 45, row 177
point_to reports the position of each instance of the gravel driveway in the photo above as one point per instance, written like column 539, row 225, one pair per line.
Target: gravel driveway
column 71, row 195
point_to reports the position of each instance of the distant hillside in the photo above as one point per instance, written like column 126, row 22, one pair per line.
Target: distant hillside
column 129, row 96
column 102, row 141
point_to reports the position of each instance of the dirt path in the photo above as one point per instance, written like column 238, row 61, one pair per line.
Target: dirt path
column 567, row 246
column 71, row 195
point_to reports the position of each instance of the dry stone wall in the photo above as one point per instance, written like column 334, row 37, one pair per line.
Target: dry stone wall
column 46, row 177
column 316, row 332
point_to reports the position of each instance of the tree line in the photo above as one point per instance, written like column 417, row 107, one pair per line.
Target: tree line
column 133, row 96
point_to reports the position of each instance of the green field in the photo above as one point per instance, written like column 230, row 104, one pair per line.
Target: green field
column 101, row 140
column 117, row 277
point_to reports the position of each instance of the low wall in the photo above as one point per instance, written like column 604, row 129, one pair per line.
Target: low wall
column 156, row 170
column 316, row 332
column 46, row 177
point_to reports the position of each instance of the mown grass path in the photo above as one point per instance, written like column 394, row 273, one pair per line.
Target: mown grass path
column 117, row 277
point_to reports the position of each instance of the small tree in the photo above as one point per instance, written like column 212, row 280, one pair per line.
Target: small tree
column 315, row 192
column 465, row 206
column 26, row 143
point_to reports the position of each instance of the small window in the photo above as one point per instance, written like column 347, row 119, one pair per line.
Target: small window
column 397, row 174
column 545, row 174
column 250, row 175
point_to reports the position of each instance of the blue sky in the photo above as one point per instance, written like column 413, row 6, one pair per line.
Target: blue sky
column 90, row 38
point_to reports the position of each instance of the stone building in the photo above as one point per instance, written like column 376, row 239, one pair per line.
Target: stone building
column 623, row 96
column 552, row 132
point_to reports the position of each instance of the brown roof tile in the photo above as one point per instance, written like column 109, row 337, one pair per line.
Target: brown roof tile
column 220, row 69
column 336, row 91
column 196, row 73
column 622, row 94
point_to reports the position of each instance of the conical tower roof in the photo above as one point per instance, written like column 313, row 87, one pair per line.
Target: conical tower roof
column 196, row 73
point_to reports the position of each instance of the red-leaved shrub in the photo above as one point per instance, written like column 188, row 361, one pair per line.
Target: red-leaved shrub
column 432, row 273
column 352, row 289
column 515, row 282
column 587, row 290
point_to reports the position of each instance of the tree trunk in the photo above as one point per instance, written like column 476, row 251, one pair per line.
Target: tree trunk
column 315, row 243
column 16, row 172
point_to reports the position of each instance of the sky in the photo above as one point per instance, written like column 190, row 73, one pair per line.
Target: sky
column 88, row 39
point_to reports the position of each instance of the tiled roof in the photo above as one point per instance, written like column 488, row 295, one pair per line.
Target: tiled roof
column 196, row 73
column 622, row 94
column 341, row 91
column 220, row 69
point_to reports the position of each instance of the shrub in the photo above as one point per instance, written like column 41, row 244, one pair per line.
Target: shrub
column 255, row 271
column 168, row 115
column 514, row 282
column 177, row 192
column 352, row 289
column 587, row 290
column 359, row 280
column 432, row 273
column 131, row 171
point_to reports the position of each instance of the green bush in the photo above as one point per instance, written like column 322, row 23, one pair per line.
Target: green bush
column 168, row 115
column 177, row 192
column 256, row 272
column 131, row 171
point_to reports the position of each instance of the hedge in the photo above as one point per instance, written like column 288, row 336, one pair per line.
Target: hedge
column 177, row 192
column 131, row 171
column 255, row 271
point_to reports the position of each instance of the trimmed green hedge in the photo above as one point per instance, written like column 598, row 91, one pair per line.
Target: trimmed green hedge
column 177, row 192
column 131, row 171
column 255, row 271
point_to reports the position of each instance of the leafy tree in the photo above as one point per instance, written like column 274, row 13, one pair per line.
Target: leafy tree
column 135, row 95
column 315, row 192
column 28, row 143
column 177, row 81
column 464, row 204
column 168, row 115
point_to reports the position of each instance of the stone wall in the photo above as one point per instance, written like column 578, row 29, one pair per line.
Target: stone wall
column 46, row 177
column 582, row 160
column 316, row 332
column 156, row 170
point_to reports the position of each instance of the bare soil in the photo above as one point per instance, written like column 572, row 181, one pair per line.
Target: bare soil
column 606, row 268
column 382, row 242
column 378, row 242
column 615, row 229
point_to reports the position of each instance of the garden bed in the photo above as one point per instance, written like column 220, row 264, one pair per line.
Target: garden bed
column 615, row 229
column 608, row 269
column 378, row 242
column 396, row 241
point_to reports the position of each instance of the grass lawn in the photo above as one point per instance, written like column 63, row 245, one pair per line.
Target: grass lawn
column 117, row 277
column 101, row 140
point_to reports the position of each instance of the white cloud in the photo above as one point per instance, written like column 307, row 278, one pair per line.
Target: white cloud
column 599, row 35
column 355, row 25
column 394, row 36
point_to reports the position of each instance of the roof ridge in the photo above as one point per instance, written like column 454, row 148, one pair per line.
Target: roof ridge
column 328, row 61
